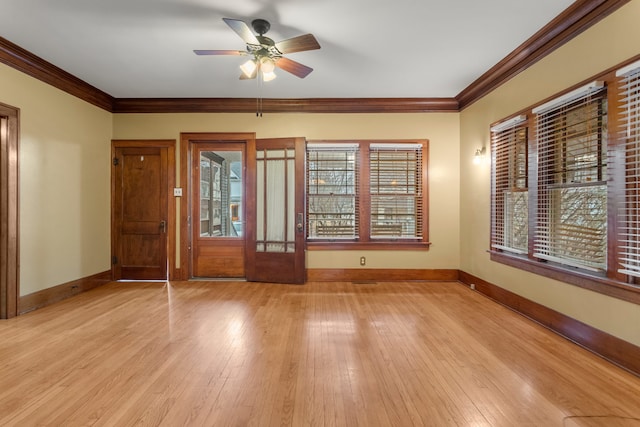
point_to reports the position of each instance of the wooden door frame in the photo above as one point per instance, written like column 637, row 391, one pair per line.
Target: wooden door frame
column 187, row 139
column 9, row 220
column 170, row 145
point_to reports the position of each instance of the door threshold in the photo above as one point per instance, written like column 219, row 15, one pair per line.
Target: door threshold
column 217, row 279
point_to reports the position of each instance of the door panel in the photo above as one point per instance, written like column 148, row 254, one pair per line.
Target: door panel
column 140, row 211
column 217, row 209
column 275, row 245
column 219, row 259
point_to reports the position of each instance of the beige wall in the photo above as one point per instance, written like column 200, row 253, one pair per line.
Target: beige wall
column 64, row 183
column 441, row 129
column 616, row 39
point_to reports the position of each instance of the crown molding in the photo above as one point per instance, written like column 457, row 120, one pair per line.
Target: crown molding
column 574, row 20
column 34, row 66
column 269, row 105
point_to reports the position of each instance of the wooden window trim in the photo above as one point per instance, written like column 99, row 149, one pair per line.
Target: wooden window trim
column 363, row 241
column 353, row 245
column 600, row 284
column 611, row 282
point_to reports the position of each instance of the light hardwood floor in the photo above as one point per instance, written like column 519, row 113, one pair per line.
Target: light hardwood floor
column 321, row 354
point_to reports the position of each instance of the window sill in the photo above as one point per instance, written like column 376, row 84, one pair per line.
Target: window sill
column 385, row 245
column 600, row 284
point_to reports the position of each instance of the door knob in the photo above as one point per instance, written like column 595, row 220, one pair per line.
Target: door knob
column 300, row 222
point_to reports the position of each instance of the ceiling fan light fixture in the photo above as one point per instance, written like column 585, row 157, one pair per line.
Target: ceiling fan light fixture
column 248, row 68
column 267, row 65
column 267, row 77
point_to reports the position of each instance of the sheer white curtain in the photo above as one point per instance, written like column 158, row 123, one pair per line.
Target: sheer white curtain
column 275, row 228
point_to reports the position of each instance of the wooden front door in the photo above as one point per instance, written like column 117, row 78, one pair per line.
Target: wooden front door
column 217, row 209
column 275, row 218
column 140, row 195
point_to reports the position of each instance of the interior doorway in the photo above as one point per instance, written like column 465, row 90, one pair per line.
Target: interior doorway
column 9, row 286
column 244, row 210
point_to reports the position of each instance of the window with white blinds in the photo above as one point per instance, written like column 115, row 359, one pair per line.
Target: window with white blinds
column 571, row 134
column 629, row 212
column 395, row 187
column 573, row 212
column 332, row 199
column 366, row 192
column 509, row 186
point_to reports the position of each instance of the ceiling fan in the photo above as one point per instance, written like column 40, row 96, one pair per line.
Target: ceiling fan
column 266, row 54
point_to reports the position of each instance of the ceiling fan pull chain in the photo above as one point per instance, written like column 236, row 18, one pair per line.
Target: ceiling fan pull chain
column 258, row 106
column 259, row 100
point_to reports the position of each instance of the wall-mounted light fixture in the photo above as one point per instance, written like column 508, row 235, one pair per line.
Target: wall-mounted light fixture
column 480, row 155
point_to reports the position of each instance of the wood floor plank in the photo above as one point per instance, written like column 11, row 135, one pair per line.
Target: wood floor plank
column 323, row 354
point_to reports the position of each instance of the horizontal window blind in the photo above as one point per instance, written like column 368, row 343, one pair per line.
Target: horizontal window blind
column 509, row 192
column 572, row 191
column 396, row 196
column 332, row 199
column 629, row 249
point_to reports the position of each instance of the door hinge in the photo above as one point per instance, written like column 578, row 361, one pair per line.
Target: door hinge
column 114, row 260
column 116, row 162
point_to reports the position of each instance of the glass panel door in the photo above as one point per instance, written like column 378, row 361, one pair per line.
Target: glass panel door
column 275, row 224
column 218, row 209
column 275, row 245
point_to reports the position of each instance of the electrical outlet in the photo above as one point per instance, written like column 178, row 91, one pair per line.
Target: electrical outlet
column 363, row 261
column 472, row 286
column 177, row 192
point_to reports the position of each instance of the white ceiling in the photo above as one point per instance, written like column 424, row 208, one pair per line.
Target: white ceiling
column 399, row 48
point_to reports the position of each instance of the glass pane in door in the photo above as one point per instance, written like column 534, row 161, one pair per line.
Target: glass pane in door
column 275, row 226
column 221, row 204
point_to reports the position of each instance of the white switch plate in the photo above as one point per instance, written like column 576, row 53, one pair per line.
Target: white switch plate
column 177, row 192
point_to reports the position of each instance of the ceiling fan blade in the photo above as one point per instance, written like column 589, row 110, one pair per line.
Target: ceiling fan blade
column 298, row 44
column 220, row 52
column 293, row 67
column 242, row 29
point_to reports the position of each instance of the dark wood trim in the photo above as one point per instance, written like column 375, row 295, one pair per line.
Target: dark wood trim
column 270, row 105
column 577, row 18
column 613, row 349
column 572, row 276
column 54, row 294
column 385, row 245
column 34, row 66
column 372, row 274
column 170, row 144
column 9, row 217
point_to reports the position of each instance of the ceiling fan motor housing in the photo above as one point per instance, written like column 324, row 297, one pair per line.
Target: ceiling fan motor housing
column 260, row 26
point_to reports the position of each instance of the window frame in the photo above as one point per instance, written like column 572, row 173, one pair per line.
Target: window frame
column 506, row 177
column 560, row 139
column 363, row 239
column 628, row 255
column 610, row 282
